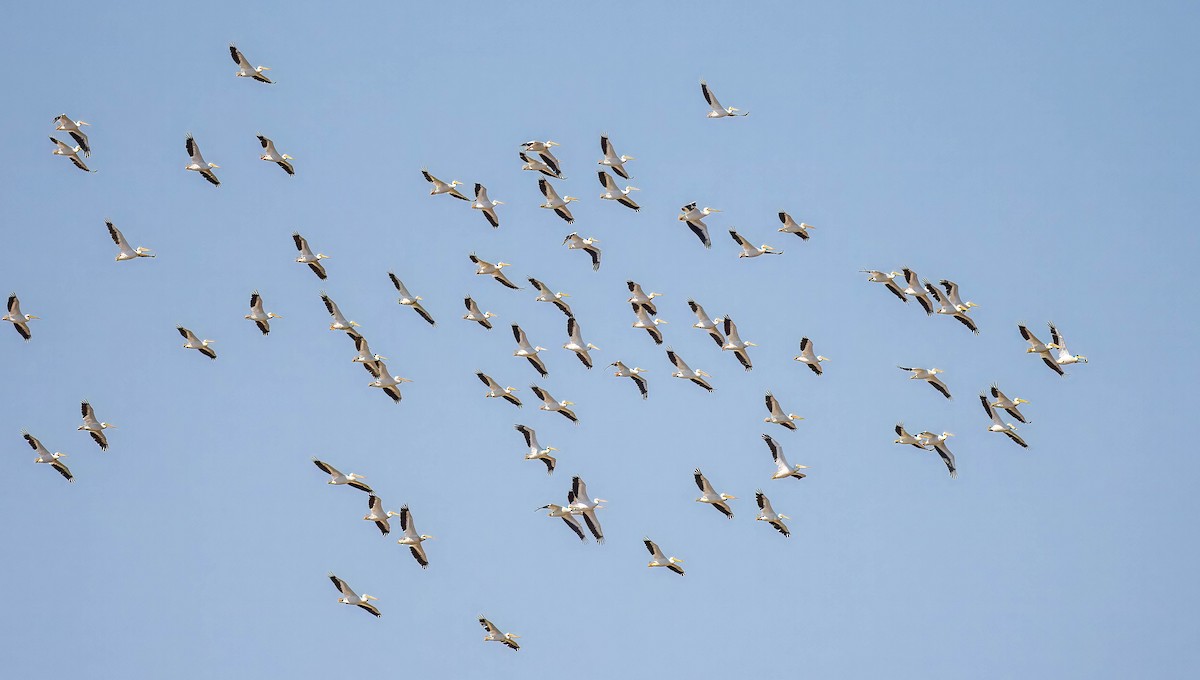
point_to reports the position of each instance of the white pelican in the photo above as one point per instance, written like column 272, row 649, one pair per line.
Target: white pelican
column 555, row 202
column 929, row 375
column 440, row 187
column 718, row 111
column 261, row 318
column 567, row 516
column 639, row 297
column 390, row 384
column 810, row 357
column 778, row 416
column 1011, row 406
column 695, row 221
column 528, row 350
column 581, row 504
column 486, row 205
column 352, row 598
column 614, row 193
column 937, row 442
column 94, row 427
column 682, row 370
column 952, row 294
column 365, row 357
column 576, row 344
column 903, row 437
column 195, row 343
column 71, row 152
column 735, row 344
column 412, row 539
column 710, row 496
column 536, row 452
column 473, row 313
column 645, row 322
column 549, row 403
column 612, row 160
column 887, row 280
column 1037, row 347
column 946, row 307
column 542, row 149
column 791, row 227
column 272, row 156
column 19, row 320
column 493, row 270
column 1000, row 426
column 340, row 322
column 307, row 257
column 51, row 459
column 197, row 162
column 574, row 241
column 767, row 514
column 634, row 374
column 547, row 295
column 913, row 287
column 706, row 324
column 73, row 127
column 409, row 300
column 534, row 165
column 245, row 70
column 782, row 469
column 127, row 252
column 337, row 478
column 1064, row 357
column 497, row 392
column 377, row 515
column 659, row 559
column 749, row 249
column 494, row 635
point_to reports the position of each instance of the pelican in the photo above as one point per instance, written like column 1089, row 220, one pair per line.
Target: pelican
column 245, row 70
column 497, row 392
column 473, row 314
column 717, row 110
column 547, row 295
column 952, row 294
column 734, row 343
column 529, row 351
column 1011, row 406
column 887, row 280
column 749, row 250
column 412, row 539
column 695, row 221
column 576, row 343
column 612, row 160
column 536, row 452
column 440, row 187
column 659, row 559
column 550, row 404
column 634, row 374
column 350, row 597
column 580, row 504
column 196, row 343
column 390, row 384
column 71, row 152
column 555, row 203
column 767, row 514
column 493, row 270
column 567, row 517
column 613, row 193
column 706, row 324
column 409, row 300
column 929, row 375
column 782, row 469
column 645, row 322
column 535, row 165
column 1000, row 426
column 791, row 227
column 682, row 370
column 937, row 442
column 365, row 357
column 487, row 205
column 198, row 164
column 72, row 127
column 307, row 257
column 777, row 414
column 340, row 323
column 946, row 307
column 272, row 156
column 1035, row 347
column 1064, row 357
column 51, row 459
column 639, row 297
column 337, row 478
column 94, row 427
column 378, row 516
column 542, row 149
column 574, row 241
column 494, row 635
column 710, row 495
column 19, row 320
column 260, row 318
column 903, row 437
column 913, row 287
column 127, row 252
column 808, row 356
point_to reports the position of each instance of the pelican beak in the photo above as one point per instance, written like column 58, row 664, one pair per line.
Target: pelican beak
column 564, row 295
column 213, row 165
column 784, row 517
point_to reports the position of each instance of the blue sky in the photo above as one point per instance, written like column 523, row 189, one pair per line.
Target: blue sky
column 1043, row 157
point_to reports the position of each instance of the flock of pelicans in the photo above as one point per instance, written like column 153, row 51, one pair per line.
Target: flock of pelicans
column 538, row 156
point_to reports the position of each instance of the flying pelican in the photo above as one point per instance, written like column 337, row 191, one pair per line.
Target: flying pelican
column 542, row 149
column 695, row 221
column 808, row 356
column 260, row 318
column 196, row 343
column 493, row 270
column 272, row 156
column 547, row 295
column 440, row 187
column 378, row 516
column 494, row 635
column 748, row 248
column 1000, row 426
column 390, row 384
column 682, row 370
column 903, row 437
column 1035, row 347
column 567, row 516
column 710, row 495
column 937, row 442
column 409, row 300
column 497, row 392
column 245, row 70
column 556, row 203
column 473, row 314
column 659, row 559
column 94, row 427
column 639, row 297
column 127, row 252
column 581, row 504
column 307, row 257
column 887, row 280
column 946, row 307
column 634, row 374
column 72, row 127
column 574, row 241
column 734, row 343
column 767, row 514
column 791, row 227
column 412, row 539
column 337, row 478
column 612, row 160
column 718, row 111
column 614, row 193
column 19, row 320
column 1011, row 406
column 352, row 598
column 535, row 165
column 777, row 415
column 929, row 375
column 198, row 164
column 487, row 205
column 340, row 323
column 71, row 152
column 1064, row 357
column 529, row 351
column 782, row 469
column 51, row 459
column 576, row 343
column 536, row 452
column 952, row 294
column 706, row 324
column 550, row 404
column 365, row 357
column 645, row 322
column 913, row 287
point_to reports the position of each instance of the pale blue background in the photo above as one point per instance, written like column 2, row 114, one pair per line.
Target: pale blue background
column 1044, row 157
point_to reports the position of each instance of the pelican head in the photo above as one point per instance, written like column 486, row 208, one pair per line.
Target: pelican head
column 568, row 199
column 703, row 373
column 260, row 69
column 552, row 143
column 821, row 358
column 1020, row 401
column 1081, row 358
column 626, row 159
column 509, row 390
column 287, row 157
column 497, row 202
column 488, row 315
column 501, row 265
column 213, row 165
column 629, row 189
column 783, row 516
column 455, row 183
column 934, row 371
column 426, row 537
column 322, row 256
column 567, row 403
column 728, row 497
column 591, row 346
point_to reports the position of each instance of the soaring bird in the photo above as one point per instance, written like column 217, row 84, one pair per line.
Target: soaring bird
column 718, row 111
column 551, row 404
column 494, row 635
column 94, row 427
column 903, row 437
column 340, row 322
column 261, row 318
column 196, row 162
column 783, row 469
column 1011, row 406
column 574, row 241
column 535, row 146
column 639, row 297
column 409, row 300
column 270, row 155
column 17, row 318
column 614, row 193
column 682, row 370
column 710, row 496
column 767, row 514
column 535, row 165
column 245, row 70
column 567, row 517
column 778, row 416
column 886, row 279
column 694, row 219
column 612, row 160
column 495, row 391
column 440, row 187
column 126, row 252
column 536, row 452
column 390, row 384
column 945, row 306
column 913, row 287
column 937, row 442
column 197, row 344
column 73, row 127
column 810, row 357
column 352, row 598
column 528, row 350
column 659, row 559
column 1064, row 356
column 1039, row 348
column 706, row 324
column 581, row 504
column 735, row 344
column 542, row 149
column 644, row 322
column 555, row 202
column 952, row 295
column 791, row 227
column 473, row 313
column 365, row 357
column 576, row 344
column 307, row 257
column 634, row 374
column 412, row 539
column 1000, row 426
column 486, row 205
column 483, row 268
column 929, row 375
column 377, row 515
column 749, row 249
column 71, row 152
column 547, row 295
column 337, row 478
column 51, row 459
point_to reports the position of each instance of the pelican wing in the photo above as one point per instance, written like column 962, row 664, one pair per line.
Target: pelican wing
column 608, row 182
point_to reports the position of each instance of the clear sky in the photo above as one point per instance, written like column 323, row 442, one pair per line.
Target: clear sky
column 1043, row 157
